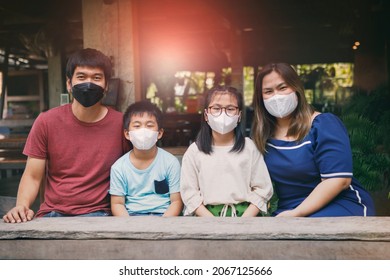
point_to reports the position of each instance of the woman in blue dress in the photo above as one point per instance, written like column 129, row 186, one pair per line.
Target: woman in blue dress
column 307, row 153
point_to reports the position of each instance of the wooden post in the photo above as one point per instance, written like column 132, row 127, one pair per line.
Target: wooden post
column 236, row 60
column 4, row 82
column 109, row 27
column 55, row 80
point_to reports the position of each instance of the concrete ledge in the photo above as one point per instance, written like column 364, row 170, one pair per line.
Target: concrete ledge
column 197, row 238
column 157, row 228
column 185, row 249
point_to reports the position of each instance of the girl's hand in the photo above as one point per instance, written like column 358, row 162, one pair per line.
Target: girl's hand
column 202, row 211
column 251, row 211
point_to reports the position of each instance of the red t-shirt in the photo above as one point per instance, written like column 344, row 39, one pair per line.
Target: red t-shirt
column 79, row 157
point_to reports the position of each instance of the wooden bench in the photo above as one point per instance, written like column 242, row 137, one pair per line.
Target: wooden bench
column 12, row 159
column 11, row 154
column 178, row 152
column 189, row 238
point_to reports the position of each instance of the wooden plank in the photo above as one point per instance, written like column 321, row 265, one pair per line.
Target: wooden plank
column 12, row 158
column 18, row 98
column 13, row 141
column 17, row 122
column 9, row 164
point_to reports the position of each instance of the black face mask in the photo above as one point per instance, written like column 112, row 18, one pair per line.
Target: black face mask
column 87, row 94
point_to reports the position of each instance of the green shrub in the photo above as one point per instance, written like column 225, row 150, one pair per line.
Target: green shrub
column 370, row 164
column 367, row 118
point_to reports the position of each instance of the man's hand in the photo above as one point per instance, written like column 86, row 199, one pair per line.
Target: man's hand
column 18, row 214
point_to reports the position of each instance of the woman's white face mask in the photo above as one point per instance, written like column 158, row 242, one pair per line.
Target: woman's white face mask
column 223, row 123
column 143, row 138
column 281, row 105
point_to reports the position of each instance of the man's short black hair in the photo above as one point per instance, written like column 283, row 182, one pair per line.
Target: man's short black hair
column 90, row 58
column 139, row 108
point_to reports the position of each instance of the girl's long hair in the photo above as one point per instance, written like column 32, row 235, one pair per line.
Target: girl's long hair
column 264, row 124
column 204, row 139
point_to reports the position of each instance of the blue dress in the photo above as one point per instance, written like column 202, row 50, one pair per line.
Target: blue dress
column 297, row 168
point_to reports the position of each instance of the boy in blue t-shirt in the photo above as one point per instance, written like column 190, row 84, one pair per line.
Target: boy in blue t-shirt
column 146, row 180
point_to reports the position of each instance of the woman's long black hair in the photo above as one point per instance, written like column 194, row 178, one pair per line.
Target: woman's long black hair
column 204, row 139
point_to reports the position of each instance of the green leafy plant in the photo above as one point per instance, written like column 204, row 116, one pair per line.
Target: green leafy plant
column 272, row 205
column 367, row 118
column 371, row 165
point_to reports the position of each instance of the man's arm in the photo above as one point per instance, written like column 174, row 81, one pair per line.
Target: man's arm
column 28, row 191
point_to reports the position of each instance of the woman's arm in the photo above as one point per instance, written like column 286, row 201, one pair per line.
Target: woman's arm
column 322, row 194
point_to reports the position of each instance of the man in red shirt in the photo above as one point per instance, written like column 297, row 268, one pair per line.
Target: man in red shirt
column 71, row 148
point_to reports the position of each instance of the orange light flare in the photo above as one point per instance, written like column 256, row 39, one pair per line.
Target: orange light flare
column 356, row 45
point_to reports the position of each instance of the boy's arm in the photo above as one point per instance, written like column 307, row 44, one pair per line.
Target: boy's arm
column 28, row 191
column 118, row 206
column 176, row 205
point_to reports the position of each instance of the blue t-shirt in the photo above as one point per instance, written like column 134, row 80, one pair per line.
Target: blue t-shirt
column 146, row 191
column 297, row 168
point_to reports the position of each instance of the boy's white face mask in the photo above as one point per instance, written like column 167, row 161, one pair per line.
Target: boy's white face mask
column 223, row 123
column 143, row 138
column 281, row 105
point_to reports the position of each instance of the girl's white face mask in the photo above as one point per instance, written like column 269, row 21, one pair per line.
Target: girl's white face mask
column 223, row 123
column 143, row 138
column 281, row 105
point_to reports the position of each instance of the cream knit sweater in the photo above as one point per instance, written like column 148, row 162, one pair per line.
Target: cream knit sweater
column 224, row 177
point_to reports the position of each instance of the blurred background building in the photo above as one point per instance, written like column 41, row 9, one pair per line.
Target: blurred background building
column 171, row 52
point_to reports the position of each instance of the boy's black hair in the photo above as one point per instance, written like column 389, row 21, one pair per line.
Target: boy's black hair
column 204, row 139
column 91, row 58
column 139, row 108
